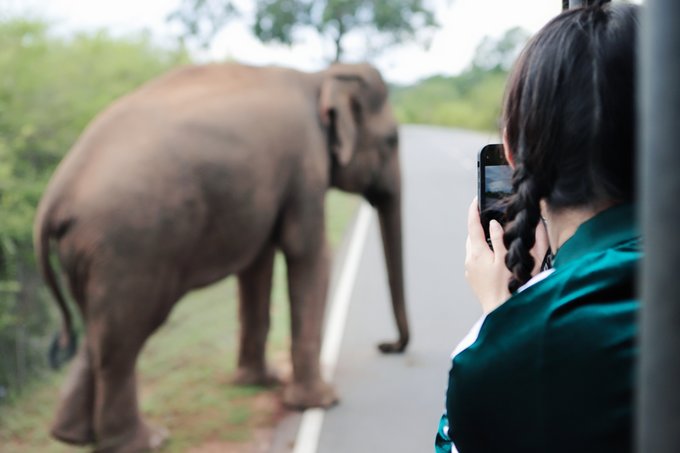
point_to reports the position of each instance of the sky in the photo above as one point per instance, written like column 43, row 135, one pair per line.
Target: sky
column 463, row 24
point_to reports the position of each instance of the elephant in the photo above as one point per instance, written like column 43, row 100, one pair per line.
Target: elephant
column 200, row 174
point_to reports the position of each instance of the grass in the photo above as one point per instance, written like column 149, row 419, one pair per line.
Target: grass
column 185, row 370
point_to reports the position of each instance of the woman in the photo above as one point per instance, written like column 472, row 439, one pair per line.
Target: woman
column 550, row 366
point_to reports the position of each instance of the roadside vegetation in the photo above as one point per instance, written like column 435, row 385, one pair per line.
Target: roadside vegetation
column 470, row 100
column 50, row 88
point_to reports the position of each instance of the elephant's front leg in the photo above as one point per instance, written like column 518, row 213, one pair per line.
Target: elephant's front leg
column 255, row 285
column 308, row 283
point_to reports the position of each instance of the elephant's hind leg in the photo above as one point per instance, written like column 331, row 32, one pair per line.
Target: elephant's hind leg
column 255, row 284
column 73, row 423
column 117, row 328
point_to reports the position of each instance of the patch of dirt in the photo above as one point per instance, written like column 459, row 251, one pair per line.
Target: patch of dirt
column 261, row 444
column 265, row 403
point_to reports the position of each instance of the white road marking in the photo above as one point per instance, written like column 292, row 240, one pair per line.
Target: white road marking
column 310, row 430
column 312, row 419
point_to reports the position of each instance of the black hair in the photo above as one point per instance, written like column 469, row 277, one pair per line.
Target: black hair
column 569, row 117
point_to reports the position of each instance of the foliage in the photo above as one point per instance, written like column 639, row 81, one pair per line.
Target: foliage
column 201, row 20
column 49, row 89
column 500, row 54
column 387, row 21
column 470, row 100
column 460, row 101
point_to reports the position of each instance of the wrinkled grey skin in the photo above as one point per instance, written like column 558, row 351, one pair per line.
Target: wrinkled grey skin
column 198, row 175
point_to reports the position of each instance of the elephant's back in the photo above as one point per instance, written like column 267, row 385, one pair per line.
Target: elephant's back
column 192, row 88
column 195, row 117
column 191, row 107
column 145, row 189
column 185, row 169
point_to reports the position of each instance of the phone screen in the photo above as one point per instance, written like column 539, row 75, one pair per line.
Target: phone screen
column 495, row 184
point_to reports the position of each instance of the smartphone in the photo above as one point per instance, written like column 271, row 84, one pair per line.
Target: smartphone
column 494, row 184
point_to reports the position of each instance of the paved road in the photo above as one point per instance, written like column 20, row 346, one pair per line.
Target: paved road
column 393, row 403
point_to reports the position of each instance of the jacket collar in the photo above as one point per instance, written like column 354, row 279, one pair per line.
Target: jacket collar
column 613, row 226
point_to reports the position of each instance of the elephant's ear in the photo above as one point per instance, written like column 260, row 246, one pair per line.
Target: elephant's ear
column 340, row 112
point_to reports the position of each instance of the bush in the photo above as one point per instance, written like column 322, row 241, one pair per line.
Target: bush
column 471, row 100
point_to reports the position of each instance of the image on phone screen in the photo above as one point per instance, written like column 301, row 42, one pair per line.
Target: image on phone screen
column 495, row 184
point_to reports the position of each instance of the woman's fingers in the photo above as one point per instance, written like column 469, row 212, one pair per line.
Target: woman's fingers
column 485, row 269
column 496, row 235
column 475, row 230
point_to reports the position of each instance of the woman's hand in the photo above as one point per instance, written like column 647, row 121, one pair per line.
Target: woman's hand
column 485, row 268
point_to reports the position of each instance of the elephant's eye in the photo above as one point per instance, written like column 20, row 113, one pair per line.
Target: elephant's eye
column 392, row 140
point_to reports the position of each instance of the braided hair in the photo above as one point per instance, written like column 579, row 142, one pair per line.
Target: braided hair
column 569, row 117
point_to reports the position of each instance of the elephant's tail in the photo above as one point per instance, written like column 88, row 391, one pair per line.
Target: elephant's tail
column 64, row 344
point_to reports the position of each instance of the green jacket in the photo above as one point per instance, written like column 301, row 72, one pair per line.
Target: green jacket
column 552, row 368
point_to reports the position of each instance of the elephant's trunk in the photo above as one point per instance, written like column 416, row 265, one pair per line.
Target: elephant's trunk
column 389, row 211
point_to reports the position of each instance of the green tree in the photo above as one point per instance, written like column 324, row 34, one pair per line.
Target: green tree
column 472, row 99
column 388, row 21
column 499, row 54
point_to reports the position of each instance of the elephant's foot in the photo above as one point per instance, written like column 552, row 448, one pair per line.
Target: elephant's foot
column 73, row 428
column 262, row 377
column 394, row 347
column 147, row 438
column 301, row 396
column 79, row 436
